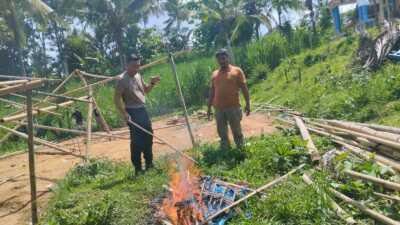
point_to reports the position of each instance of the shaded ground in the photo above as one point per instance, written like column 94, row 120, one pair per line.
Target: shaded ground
column 15, row 194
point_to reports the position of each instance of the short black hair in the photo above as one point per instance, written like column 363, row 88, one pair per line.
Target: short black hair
column 222, row 51
column 132, row 57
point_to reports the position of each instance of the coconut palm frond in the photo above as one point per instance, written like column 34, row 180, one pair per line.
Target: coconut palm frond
column 41, row 7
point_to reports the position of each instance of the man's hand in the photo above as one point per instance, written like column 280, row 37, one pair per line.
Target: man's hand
column 247, row 109
column 155, row 80
column 127, row 118
column 209, row 113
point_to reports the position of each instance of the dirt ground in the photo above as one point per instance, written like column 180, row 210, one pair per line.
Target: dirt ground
column 15, row 194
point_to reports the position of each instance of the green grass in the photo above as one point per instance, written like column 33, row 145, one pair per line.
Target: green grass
column 105, row 193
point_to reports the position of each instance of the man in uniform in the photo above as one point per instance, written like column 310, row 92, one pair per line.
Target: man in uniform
column 130, row 101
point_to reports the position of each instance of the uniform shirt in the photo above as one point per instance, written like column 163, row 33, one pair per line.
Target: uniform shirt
column 227, row 87
column 132, row 91
column 362, row 2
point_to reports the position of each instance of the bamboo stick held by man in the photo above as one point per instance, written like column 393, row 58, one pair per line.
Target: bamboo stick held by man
column 130, row 101
column 226, row 84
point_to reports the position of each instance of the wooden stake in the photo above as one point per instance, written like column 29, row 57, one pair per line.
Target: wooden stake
column 179, row 89
column 258, row 190
column 89, row 125
column 32, row 175
column 312, row 150
column 379, row 181
column 21, row 87
column 339, row 211
column 373, row 214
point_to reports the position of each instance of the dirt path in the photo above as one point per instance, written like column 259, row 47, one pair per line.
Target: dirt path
column 15, row 194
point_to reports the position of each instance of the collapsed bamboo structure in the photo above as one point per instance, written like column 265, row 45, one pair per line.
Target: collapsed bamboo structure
column 21, row 87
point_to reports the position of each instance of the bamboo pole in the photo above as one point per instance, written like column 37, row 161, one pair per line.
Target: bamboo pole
column 39, row 141
column 36, row 111
column 393, row 198
column 21, row 87
column 312, row 150
column 370, row 137
column 76, row 131
column 12, row 103
column 258, row 190
column 31, row 156
column 26, row 78
column 373, row 214
column 389, row 129
column 8, row 135
column 92, row 75
column 179, row 89
column 61, row 96
column 12, row 82
column 379, row 181
column 338, row 210
column 11, row 178
column 366, row 130
column 89, row 125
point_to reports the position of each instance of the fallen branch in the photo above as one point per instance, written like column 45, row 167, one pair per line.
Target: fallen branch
column 258, row 190
column 394, row 198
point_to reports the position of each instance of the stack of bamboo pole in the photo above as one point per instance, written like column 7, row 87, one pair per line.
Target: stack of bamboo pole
column 372, row 142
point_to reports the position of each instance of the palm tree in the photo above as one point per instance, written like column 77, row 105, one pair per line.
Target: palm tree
column 117, row 16
column 177, row 13
column 229, row 17
column 283, row 6
column 13, row 13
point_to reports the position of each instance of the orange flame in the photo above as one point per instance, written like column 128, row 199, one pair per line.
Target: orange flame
column 184, row 205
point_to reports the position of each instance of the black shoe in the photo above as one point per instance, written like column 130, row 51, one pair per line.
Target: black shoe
column 149, row 166
column 138, row 172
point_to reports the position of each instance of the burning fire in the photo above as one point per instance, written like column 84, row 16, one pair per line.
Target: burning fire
column 184, row 206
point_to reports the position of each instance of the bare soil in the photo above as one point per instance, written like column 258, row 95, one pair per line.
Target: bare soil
column 15, row 194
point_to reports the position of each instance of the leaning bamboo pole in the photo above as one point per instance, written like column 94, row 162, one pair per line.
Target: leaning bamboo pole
column 338, row 210
column 258, row 190
column 92, row 75
column 26, row 78
column 312, row 150
column 376, row 180
column 370, row 137
column 390, row 197
column 373, row 214
column 21, row 87
column 389, row 129
column 36, row 111
column 39, row 141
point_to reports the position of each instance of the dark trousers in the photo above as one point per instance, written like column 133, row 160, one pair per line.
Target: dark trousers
column 140, row 141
